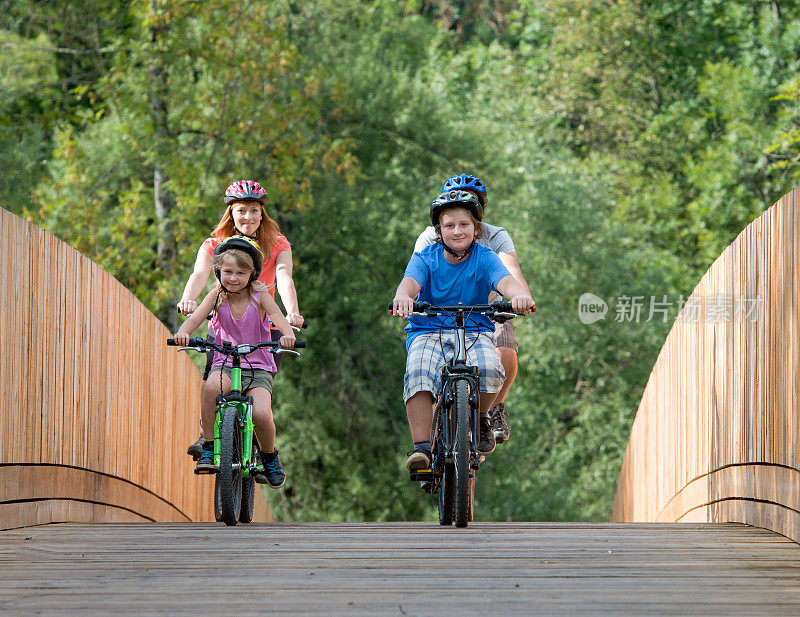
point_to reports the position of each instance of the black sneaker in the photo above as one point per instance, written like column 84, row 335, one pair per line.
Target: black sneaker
column 486, row 442
column 500, row 423
column 205, row 464
column 196, row 449
column 274, row 472
column 418, row 459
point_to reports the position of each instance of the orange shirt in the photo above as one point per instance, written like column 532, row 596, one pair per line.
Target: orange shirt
column 268, row 273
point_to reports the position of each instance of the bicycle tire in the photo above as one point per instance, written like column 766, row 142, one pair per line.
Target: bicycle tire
column 461, row 453
column 217, row 502
column 230, row 479
column 248, row 499
column 446, row 496
column 446, row 484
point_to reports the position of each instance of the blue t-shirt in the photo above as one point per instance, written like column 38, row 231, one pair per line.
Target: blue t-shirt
column 443, row 283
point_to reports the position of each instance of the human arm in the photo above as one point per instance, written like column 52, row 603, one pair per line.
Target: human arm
column 285, row 285
column 195, row 319
column 511, row 261
column 521, row 301
column 196, row 283
column 276, row 317
column 426, row 238
column 403, row 303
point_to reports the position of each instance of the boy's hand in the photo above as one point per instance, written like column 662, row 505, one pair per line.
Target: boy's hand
column 523, row 304
column 403, row 306
column 181, row 338
column 187, row 307
column 287, row 342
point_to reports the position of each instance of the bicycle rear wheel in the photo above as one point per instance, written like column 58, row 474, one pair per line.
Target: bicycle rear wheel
column 461, row 453
column 230, row 468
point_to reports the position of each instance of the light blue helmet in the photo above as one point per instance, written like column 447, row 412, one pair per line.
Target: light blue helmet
column 463, row 182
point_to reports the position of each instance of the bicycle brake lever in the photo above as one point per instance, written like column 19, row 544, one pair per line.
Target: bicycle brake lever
column 282, row 350
column 190, row 349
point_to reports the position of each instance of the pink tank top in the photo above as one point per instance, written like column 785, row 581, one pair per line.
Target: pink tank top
column 250, row 328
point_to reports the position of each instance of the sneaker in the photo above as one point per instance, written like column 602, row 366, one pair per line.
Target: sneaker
column 500, row 423
column 418, row 459
column 486, row 442
column 274, row 472
column 205, row 463
column 196, row 449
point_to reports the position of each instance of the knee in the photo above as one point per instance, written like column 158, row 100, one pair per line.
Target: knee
column 508, row 357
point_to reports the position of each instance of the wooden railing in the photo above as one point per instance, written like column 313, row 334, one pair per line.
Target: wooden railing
column 717, row 434
column 96, row 411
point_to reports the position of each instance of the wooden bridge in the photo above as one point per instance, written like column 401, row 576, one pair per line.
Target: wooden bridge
column 98, row 519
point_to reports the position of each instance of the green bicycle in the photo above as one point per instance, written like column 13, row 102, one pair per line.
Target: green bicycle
column 236, row 452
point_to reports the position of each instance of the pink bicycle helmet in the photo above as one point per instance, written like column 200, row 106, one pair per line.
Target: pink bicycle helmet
column 245, row 189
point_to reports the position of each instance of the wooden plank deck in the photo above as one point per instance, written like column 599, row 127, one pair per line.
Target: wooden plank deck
column 401, row 569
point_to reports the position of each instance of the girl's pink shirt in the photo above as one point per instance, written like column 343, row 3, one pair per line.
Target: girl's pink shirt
column 250, row 328
column 268, row 273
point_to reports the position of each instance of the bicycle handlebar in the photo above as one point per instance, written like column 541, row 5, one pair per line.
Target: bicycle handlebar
column 241, row 350
column 496, row 308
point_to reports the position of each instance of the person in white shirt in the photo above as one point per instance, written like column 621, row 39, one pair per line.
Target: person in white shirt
column 505, row 341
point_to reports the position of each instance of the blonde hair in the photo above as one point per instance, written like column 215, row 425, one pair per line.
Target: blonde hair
column 267, row 233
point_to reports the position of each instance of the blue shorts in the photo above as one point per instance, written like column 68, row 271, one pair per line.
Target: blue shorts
column 427, row 355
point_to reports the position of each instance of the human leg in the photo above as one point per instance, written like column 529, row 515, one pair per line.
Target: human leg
column 264, row 425
column 196, row 449
column 507, row 347
column 423, row 364
column 482, row 353
column 208, row 412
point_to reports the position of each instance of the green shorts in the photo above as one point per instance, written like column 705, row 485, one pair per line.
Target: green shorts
column 251, row 378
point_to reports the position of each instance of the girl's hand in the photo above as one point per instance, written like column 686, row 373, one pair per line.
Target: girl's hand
column 187, row 307
column 287, row 342
column 523, row 304
column 181, row 338
column 259, row 286
column 295, row 319
column 403, row 306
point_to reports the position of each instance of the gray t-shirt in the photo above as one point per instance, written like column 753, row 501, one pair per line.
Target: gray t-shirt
column 495, row 238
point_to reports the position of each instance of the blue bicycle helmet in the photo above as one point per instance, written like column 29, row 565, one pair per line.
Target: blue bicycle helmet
column 463, row 182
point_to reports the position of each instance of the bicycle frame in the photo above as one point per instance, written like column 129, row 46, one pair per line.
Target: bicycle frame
column 456, row 369
column 244, row 416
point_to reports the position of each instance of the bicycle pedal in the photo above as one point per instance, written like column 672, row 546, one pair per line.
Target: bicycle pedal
column 421, row 475
column 204, row 472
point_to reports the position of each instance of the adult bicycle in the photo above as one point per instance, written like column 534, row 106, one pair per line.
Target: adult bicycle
column 455, row 430
column 236, row 459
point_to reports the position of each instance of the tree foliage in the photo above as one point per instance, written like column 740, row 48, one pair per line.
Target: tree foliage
column 624, row 145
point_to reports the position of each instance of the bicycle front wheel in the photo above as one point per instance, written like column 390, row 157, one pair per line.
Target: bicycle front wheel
column 447, row 481
column 230, row 468
column 461, row 453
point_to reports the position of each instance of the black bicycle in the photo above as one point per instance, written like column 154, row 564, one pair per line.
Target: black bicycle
column 455, row 431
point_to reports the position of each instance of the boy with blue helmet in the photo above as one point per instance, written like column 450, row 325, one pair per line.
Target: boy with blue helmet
column 454, row 270
column 498, row 240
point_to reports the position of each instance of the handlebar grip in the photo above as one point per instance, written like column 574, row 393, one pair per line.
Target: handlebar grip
column 503, row 307
column 299, row 344
column 193, row 342
column 419, row 307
